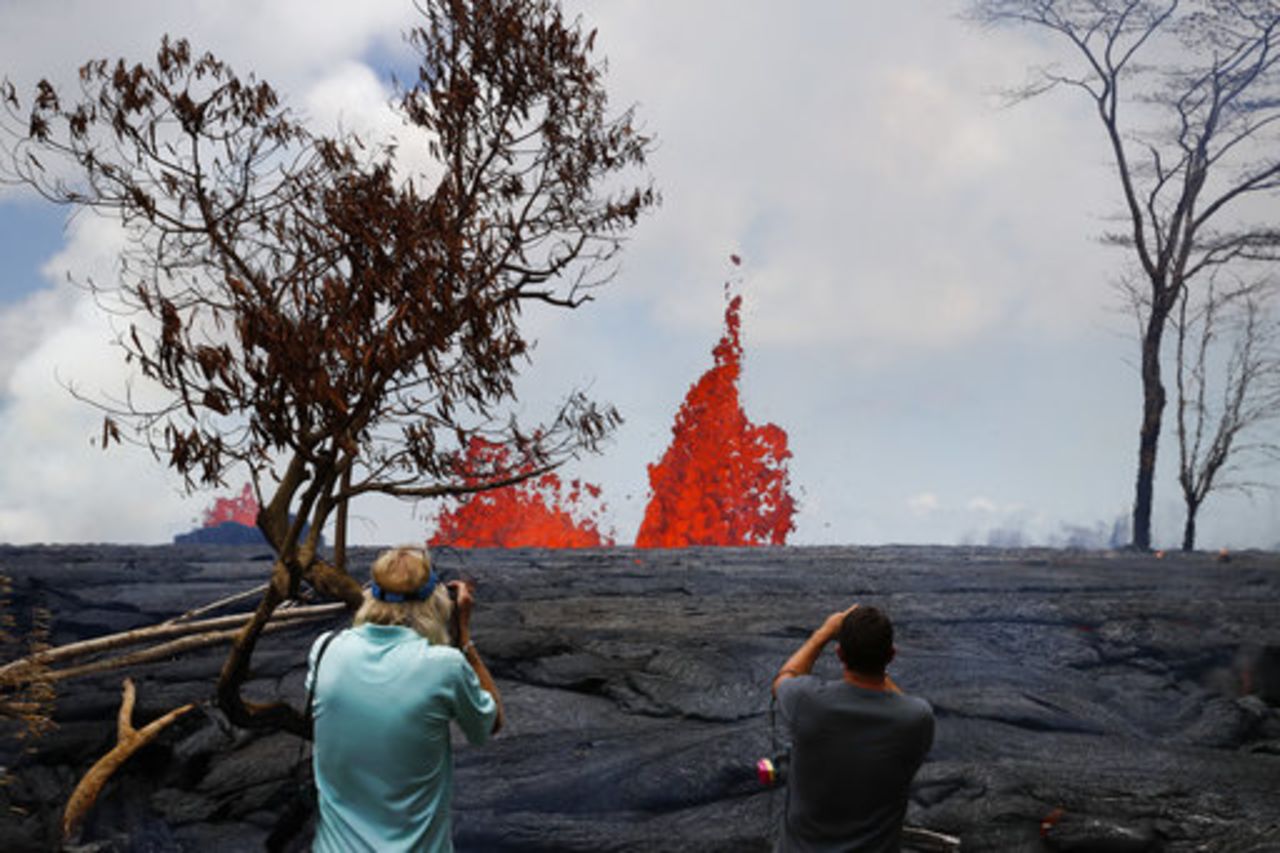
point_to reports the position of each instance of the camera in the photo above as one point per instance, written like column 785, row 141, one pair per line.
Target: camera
column 772, row 771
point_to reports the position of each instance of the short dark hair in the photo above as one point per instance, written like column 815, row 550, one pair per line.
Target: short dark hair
column 866, row 640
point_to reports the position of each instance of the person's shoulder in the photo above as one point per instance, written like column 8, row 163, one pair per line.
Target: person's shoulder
column 916, row 706
column 799, row 683
column 325, row 639
column 450, row 651
column 451, row 656
column 791, row 693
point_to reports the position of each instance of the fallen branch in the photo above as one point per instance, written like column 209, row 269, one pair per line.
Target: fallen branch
column 214, row 605
column 128, row 741
column 13, row 671
column 166, row 650
column 917, row 838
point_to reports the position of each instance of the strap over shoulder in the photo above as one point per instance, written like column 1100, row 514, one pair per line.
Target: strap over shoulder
column 327, row 638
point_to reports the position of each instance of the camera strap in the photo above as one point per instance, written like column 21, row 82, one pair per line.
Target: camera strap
column 778, row 754
column 773, row 752
column 315, row 675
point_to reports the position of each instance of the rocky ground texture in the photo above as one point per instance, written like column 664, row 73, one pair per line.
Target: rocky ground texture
column 1086, row 701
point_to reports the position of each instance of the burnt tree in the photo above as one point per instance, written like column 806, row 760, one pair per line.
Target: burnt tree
column 1228, row 383
column 316, row 316
column 1187, row 94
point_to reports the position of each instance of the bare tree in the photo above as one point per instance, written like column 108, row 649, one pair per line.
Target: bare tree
column 1228, row 381
column 315, row 316
column 1188, row 95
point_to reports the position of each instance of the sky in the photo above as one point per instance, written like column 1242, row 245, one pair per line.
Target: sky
column 928, row 312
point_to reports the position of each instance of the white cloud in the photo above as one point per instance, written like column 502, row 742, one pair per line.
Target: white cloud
column 986, row 506
column 923, row 503
column 924, row 300
column 351, row 99
column 884, row 204
column 28, row 325
column 980, row 504
column 55, row 485
column 25, row 323
column 933, row 129
column 284, row 42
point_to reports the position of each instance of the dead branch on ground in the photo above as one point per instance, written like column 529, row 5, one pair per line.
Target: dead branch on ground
column 128, row 741
column 195, row 634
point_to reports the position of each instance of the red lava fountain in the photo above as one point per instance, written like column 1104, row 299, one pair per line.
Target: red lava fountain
column 536, row 513
column 242, row 509
column 723, row 480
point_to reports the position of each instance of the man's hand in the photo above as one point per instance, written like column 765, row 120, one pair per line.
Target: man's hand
column 831, row 627
column 802, row 661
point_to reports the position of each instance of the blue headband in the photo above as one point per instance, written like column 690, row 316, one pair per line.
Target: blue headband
column 422, row 593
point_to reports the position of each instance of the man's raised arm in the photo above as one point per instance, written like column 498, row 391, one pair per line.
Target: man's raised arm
column 802, row 660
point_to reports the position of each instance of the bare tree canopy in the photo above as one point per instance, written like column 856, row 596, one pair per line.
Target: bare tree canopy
column 1228, row 381
column 1188, row 95
column 313, row 313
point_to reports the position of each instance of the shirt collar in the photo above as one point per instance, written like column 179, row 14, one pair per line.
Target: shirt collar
column 389, row 635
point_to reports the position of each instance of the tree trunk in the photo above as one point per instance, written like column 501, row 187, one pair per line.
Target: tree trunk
column 1153, row 400
column 340, row 537
column 325, row 579
column 275, row 715
column 1189, row 528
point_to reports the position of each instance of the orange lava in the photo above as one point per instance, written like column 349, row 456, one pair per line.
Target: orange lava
column 242, row 509
column 723, row 480
column 536, row 513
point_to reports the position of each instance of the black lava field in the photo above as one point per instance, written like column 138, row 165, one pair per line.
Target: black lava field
column 1085, row 700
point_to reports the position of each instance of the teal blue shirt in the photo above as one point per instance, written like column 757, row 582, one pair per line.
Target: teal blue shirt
column 383, row 758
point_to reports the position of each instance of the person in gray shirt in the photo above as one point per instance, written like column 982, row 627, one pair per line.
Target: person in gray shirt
column 856, row 743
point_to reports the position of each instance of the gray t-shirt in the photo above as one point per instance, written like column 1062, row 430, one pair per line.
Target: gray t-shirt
column 854, row 753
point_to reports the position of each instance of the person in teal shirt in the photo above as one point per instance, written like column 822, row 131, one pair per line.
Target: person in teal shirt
column 385, row 692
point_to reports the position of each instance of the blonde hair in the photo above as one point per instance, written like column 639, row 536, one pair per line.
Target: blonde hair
column 407, row 568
